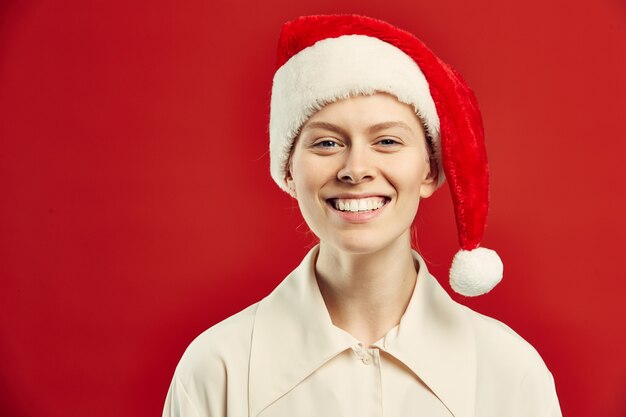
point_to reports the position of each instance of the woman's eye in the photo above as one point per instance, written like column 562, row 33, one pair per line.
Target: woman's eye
column 326, row 144
column 388, row 141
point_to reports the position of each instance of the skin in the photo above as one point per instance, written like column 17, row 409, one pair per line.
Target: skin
column 365, row 145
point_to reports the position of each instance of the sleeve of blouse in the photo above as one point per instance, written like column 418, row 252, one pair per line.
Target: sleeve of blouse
column 556, row 408
column 539, row 393
column 177, row 402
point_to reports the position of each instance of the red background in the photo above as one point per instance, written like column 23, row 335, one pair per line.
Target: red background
column 137, row 210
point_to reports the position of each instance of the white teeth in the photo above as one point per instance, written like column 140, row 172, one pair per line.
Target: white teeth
column 360, row 204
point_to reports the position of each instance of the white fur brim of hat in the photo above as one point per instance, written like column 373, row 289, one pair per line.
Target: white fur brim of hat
column 337, row 68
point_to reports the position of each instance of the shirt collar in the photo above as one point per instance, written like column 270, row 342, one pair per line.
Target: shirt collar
column 293, row 336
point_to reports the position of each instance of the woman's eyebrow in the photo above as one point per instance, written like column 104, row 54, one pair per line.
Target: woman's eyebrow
column 325, row 125
column 371, row 129
column 386, row 125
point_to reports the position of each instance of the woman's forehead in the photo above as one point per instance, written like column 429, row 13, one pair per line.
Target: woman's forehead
column 372, row 112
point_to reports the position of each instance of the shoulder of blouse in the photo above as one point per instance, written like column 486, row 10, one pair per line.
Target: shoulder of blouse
column 521, row 375
column 212, row 375
column 498, row 342
column 222, row 348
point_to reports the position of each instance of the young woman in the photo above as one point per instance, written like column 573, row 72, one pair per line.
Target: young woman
column 366, row 121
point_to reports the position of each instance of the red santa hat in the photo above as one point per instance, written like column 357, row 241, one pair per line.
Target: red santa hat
column 326, row 58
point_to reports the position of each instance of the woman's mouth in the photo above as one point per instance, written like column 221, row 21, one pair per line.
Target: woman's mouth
column 358, row 210
column 356, row 205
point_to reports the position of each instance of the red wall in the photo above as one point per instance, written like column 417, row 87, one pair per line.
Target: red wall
column 136, row 207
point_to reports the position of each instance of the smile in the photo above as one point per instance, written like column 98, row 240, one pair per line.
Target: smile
column 356, row 205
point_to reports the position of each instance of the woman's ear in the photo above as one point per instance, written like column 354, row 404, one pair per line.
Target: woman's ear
column 291, row 186
column 429, row 184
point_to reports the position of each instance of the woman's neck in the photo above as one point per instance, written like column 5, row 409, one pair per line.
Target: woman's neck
column 366, row 294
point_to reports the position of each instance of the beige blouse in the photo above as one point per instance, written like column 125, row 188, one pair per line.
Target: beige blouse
column 283, row 357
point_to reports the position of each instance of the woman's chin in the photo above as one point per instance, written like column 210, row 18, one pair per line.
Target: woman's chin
column 359, row 243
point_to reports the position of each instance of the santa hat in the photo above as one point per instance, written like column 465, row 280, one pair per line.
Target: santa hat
column 326, row 58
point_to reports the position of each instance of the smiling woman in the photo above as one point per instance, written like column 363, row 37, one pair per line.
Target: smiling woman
column 365, row 150
column 365, row 121
column 358, row 171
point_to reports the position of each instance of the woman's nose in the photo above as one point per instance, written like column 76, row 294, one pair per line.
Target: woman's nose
column 357, row 166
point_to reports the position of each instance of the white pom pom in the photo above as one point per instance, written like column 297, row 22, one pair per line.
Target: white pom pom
column 475, row 272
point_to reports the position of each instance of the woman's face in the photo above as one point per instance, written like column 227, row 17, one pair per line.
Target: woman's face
column 358, row 170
